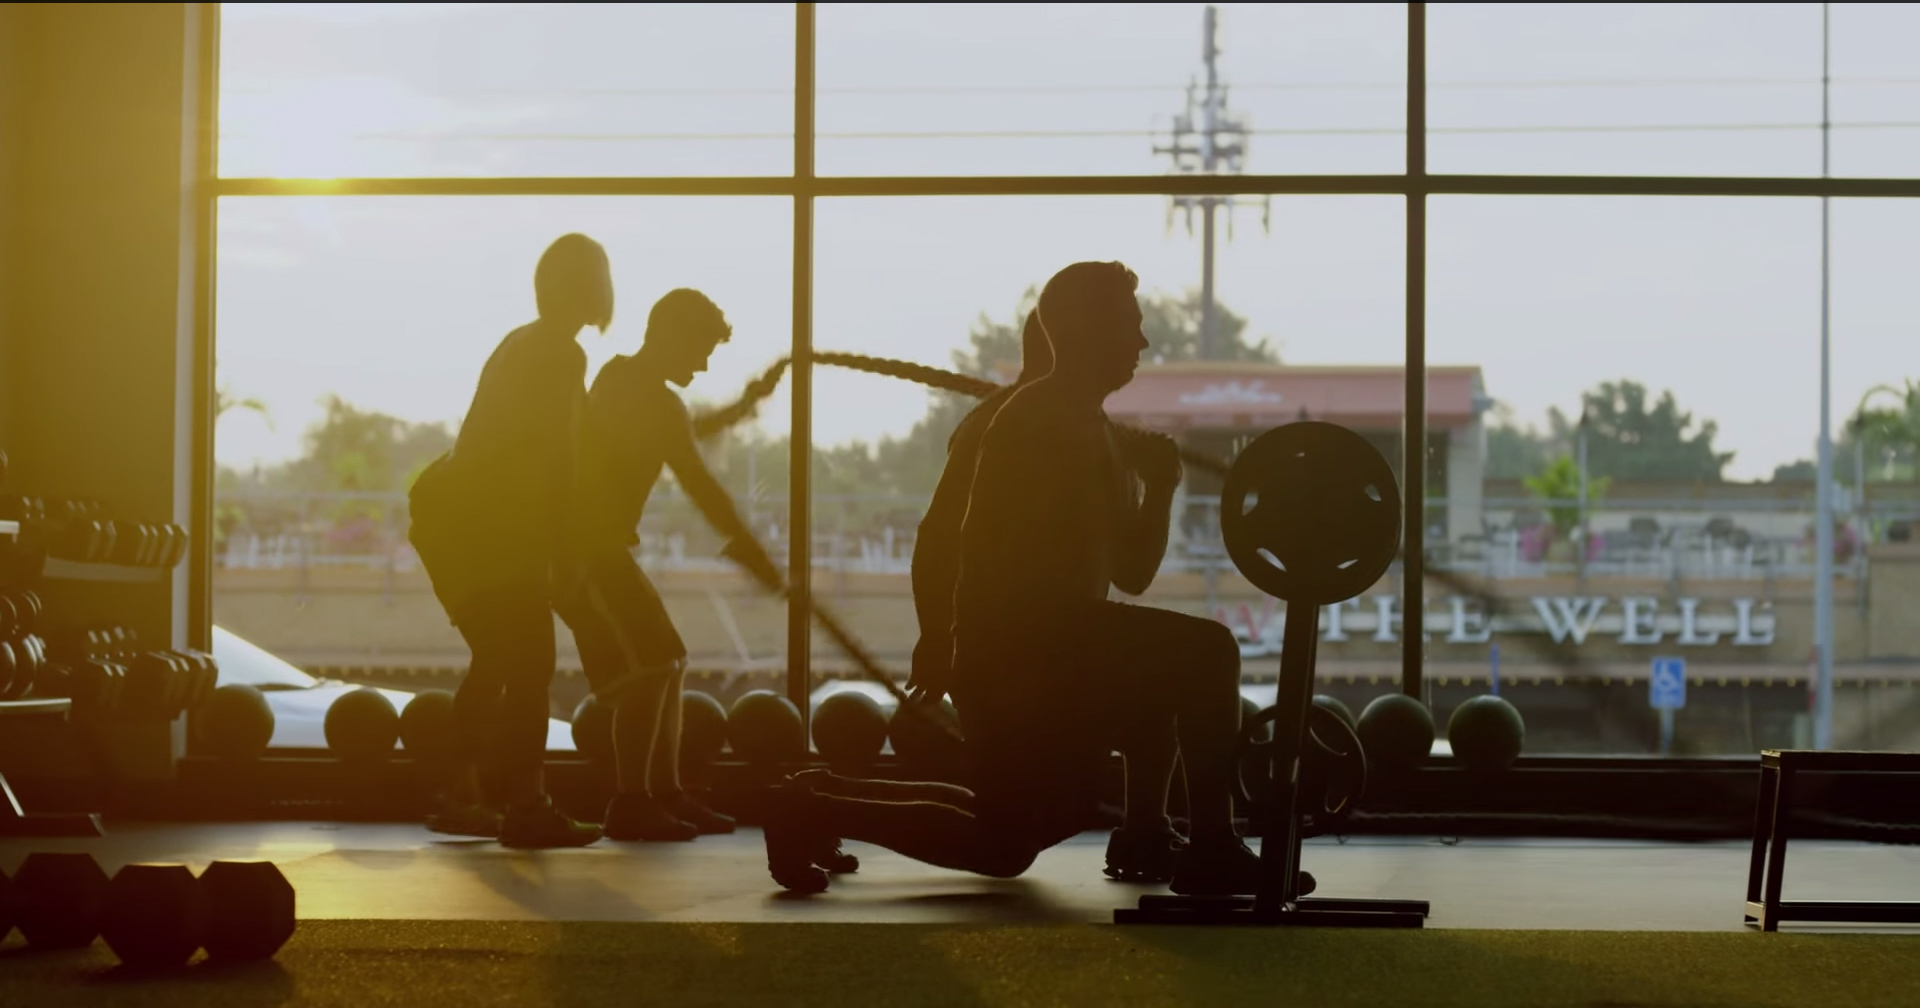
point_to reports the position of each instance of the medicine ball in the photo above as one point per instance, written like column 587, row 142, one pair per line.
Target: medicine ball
column 849, row 729
column 764, row 727
column 235, row 723
column 1396, row 731
column 703, row 730
column 362, row 725
column 1486, row 733
column 1333, row 704
column 427, row 728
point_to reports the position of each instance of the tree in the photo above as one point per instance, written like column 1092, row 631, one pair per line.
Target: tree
column 223, row 401
column 1890, row 436
column 1558, row 485
column 1886, row 440
column 1516, row 452
column 1629, row 440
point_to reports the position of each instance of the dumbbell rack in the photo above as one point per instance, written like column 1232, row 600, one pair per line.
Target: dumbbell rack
column 1278, row 902
column 14, row 820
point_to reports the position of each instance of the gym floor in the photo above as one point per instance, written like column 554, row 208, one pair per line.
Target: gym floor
column 384, row 871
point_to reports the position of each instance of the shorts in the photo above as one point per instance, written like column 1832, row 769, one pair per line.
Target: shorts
column 1044, row 714
column 619, row 622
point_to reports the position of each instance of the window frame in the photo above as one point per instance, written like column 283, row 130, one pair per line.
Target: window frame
column 804, row 187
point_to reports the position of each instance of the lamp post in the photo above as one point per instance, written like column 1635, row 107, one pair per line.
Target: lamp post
column 1823, row 486
column 1580, row 454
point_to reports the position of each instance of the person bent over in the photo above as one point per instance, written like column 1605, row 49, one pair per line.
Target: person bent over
column 636, row 427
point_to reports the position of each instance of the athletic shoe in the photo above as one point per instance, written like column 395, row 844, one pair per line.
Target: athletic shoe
column 1224, row 870
column 1143, row 855
column 793, row 840
column 540, row 825
column 682, row 806
column 642, row 817
column 474, row 820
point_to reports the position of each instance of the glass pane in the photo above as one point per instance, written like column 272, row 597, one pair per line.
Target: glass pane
column 1688, row 331
column 422, row 90
column 1876, row 464
column 948, row 283
column 1640, row 89
column 1064, row 89
column 1876, row 87
column 351, row 331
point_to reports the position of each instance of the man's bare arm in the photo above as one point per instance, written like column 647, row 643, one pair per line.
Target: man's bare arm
column 1155, row 459
column 682, row 455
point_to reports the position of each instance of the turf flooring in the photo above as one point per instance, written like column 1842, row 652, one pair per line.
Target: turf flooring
column 367, row 964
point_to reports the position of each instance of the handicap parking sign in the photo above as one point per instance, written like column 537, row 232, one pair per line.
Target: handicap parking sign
column 1668, row 686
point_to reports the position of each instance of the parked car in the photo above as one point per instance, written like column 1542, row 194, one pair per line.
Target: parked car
column 300, row 701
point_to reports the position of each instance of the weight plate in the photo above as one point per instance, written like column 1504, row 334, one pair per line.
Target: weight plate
column 1310, row 513
column 1333, row 767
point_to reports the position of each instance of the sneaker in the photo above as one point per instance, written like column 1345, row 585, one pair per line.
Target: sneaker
column 793, row 841
column 541, row 826
column 828, row 857
column 1225, row 870
column 1143, row 855
column 466, row 820
column 681, row 806
column 642, row 817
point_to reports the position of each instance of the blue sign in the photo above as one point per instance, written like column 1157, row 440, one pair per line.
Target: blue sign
column 1667, row 690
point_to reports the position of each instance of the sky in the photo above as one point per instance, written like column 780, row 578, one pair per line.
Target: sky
column 394, row 302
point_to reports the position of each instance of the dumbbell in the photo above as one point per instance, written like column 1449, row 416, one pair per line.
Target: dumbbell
column 26, row 606
column 96, row 685
column 12, row 684
column 250, row 908
column 150, row 685
column 54, row 680
column 9, row 617
column 176, row 546
column 155, row 915
column 205, row 675
column 105, row 542
column 59, row 899
column 30, row 657
column 124, row 542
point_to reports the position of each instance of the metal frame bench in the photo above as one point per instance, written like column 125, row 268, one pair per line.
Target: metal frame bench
column 1772, row 816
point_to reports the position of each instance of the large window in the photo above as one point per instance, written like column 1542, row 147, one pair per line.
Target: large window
column 1615, row 212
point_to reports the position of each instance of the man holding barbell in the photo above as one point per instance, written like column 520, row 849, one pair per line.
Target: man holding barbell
column 1143, row 848
column 1050, row 676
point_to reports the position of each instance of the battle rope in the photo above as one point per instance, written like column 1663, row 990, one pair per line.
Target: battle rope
column 1559, row 654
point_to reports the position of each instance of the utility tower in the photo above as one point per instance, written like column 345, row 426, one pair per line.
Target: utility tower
column 1208, row 139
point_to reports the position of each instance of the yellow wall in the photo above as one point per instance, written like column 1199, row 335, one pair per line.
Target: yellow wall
column 96, row 319
column 10, row 86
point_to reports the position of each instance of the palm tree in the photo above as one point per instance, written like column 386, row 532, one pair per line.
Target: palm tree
column 224, row 400
column 1890, row 429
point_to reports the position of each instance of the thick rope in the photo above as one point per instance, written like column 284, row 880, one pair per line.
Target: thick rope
column 964, row 384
